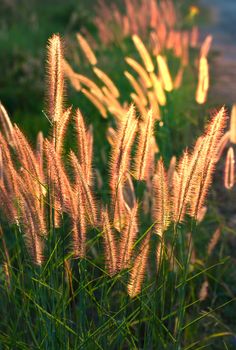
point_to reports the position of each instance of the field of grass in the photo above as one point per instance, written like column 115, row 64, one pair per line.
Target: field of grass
column 111, row 231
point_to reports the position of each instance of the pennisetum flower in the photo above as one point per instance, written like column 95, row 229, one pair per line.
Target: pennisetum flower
column 161, row 199
column 233, row 125
column 87, row 49
column 143, row 53
column 229, row 173
column 164, row 73
column 137, row 273
column 110, row 244
column 143, row 156
column 203, row 81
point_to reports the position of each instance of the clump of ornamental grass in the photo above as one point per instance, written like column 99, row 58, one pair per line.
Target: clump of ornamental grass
column 133, row 240
column 152, row 82
column 47, row 184
column 153, row 21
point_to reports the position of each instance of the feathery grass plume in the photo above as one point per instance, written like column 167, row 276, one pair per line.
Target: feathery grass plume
column 111, row 136
column 203, row 81
column 78, row 224
column 55, row 72
column 109, row 244
column 57, row 176
column 129, row 192
column 67, row 199
column 90, row 141
column 206, row 155
column 9, row 172
column 161, row 199
column 233, row 125
column 180, row 188
column 6, row 124
column 179, row 78
column 1, row 166
column 61, row 129
column 154, row 104
column 39, row 152
column 206, row 45
column 32, row 235
column 203, row 293
column 194, row 37
column 138, row 103
column 70, row 74
column 120, row 209
column 154, row 14
column 143, row 75
column 201, row 214
column 171, row 171
column 95, row 101
column 137, row 88
column 32, row 219
column 89, row 84
column 222, row 144
column 6, row 263
column 127, row 239
column 77, row 80
column 143, row 157
column 82, row 185
column 7, row 203
column 137, row 273
column 185, row 47
column 84, row 153
column 229, row 173
column 164, row 73
column 110, row 98
column 213, row 242
column 159, row 254
column 159, row 92
column 86, row 49
column 143, row 53
column 29, row 163
column 121, row 151
column 107, row 81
